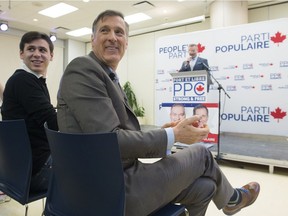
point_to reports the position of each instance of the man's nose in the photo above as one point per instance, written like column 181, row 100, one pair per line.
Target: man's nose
column 112, row 36
column 36, row 53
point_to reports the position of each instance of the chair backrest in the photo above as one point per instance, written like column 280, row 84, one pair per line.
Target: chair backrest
column 16, row 162
column 87, row 175
column 171, row 210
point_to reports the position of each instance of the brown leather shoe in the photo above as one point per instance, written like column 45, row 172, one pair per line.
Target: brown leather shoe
column 249, row 195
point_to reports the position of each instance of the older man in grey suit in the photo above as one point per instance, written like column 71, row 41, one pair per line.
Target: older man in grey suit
column 91, row 100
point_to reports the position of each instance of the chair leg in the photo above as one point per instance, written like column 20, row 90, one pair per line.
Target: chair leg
column 43, row 207
column 43, row 204
column 186, row 212
column 26, row 210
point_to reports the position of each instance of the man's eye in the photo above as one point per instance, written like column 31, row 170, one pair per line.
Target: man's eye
column 120, row 33
column 42, row 50
column 104, row 30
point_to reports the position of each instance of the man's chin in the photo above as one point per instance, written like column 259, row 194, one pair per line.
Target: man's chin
column 37, row 70
column 113, row 59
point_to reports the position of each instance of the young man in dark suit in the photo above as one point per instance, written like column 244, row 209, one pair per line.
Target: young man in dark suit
column 26, row 97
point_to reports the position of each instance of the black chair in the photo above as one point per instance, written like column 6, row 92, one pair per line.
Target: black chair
column 87, row 175
column 171, row 210
column 16, row 162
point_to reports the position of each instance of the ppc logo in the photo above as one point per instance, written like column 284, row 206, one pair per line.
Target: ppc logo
column 199, row 88
column 188, row 89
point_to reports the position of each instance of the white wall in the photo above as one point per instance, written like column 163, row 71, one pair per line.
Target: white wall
column 9, row 55
column 268, row 13
column 73, row 49
column 55, row 72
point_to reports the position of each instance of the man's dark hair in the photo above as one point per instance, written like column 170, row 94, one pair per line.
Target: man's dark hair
column 34, row 35
column 200, row 106
column 108, row 13
column 193, row 45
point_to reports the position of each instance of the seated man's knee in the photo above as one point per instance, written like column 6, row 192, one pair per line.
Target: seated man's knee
column 207, row 189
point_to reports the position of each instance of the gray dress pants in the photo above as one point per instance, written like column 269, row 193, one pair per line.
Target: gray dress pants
column 191, row 177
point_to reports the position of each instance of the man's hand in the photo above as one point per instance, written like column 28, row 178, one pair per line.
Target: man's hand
column 188, row 131
column 170, row 124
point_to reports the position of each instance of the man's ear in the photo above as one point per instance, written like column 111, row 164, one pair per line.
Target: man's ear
column 21, row 54
column 51, row 55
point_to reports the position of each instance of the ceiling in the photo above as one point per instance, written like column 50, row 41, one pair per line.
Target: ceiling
column 20, row 14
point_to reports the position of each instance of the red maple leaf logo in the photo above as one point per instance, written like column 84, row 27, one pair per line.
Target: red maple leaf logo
column 278, row 114
column 200, row 48
column 200, row 88
column 278, row 38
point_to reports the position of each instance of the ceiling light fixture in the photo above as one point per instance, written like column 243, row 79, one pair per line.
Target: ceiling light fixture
column 53, row 36
column 58, row 10
column 4, row 26
column 135, row 18
column 168, row 25
column 80, row 32
column 189, row 20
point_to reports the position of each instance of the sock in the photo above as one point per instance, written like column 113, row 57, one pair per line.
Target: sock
column 236, row 198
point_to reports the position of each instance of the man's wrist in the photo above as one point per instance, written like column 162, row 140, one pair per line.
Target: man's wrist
column 170, row 138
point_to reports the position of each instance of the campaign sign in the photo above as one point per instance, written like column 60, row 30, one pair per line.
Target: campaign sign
column 251, row 65
column 189, row 86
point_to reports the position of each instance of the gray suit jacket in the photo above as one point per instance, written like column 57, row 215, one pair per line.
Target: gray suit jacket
column 89, row 101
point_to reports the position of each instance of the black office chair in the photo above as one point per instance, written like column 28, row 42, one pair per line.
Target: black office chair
column 87, row 175
column 171, row 210
column 16, row 163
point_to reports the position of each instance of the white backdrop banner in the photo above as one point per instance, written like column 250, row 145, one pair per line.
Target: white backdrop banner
column 249, row 61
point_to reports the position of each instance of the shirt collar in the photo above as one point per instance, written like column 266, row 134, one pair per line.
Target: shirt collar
column 32, row 72
column 114, row 77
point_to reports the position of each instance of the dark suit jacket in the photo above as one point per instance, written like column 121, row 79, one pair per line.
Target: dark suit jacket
column 27, row 97
column 198, row 66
